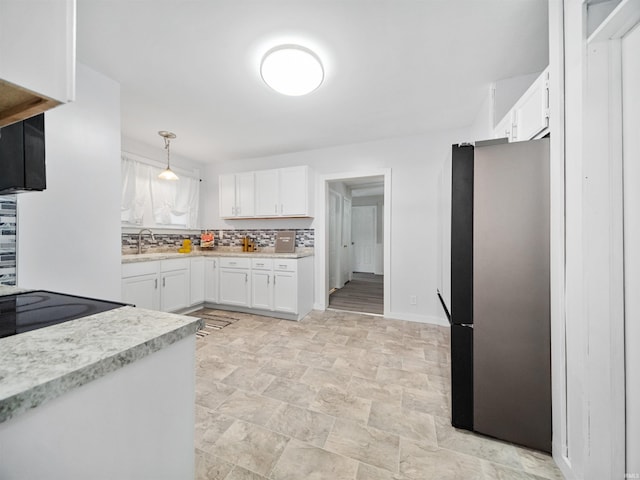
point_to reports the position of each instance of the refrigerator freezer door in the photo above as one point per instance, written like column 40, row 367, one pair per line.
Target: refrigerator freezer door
column 511, row 339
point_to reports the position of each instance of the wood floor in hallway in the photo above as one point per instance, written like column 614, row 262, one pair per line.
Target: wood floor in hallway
column 364, row 294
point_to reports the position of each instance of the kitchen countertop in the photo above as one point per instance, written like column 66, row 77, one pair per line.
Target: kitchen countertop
column 146, row 257
column 40, row 365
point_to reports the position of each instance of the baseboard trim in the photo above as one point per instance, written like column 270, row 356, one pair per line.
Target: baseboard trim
column 412, row 317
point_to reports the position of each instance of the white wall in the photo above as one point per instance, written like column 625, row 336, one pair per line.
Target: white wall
column 415, row 163
column 69, row 235
column 508, row 91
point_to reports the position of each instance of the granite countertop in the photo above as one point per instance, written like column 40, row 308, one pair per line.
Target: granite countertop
column 231, row 252
column 40, row 365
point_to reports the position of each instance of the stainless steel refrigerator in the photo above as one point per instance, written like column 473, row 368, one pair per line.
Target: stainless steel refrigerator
column 500, row 307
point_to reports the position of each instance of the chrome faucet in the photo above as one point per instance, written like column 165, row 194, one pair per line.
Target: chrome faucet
column 153, row 239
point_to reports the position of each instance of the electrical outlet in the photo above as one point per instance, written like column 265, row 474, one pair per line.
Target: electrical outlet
column 413, row 300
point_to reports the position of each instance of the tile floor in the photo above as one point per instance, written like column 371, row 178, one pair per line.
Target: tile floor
column 338, row 396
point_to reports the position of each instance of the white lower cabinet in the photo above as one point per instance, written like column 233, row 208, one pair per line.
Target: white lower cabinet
column 235, row 281
column 285, row 292
column 211, row 280
column 196, row 293
column 140, row 284
column 279, row 285
column 175, row 288
column 157, row 285
column 262, row 284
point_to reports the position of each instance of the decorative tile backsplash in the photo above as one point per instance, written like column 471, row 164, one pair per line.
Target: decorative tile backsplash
column 226, row 238
column 8, row 240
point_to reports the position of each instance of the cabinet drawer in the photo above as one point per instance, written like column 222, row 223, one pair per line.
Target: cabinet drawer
column 172, row 264
column 261, row 263
column 285, row 264
column 140, row 268
column 235, row 262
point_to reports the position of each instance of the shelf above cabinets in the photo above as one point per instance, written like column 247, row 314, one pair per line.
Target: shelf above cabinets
column 277, row 193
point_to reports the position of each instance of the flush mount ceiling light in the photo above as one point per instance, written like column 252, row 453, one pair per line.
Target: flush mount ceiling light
column 292, row 70
column 167, row 173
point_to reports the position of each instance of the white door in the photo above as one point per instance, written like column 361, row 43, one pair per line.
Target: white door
column 631, row 159
column 267, row 201
column 363, row 235
column 285, row 292
column 142, row 291
column 227, row 195
column 334, row 239
column 345, row 249
column 211, row 280
column 293, row 191
column 234, row 286
column 196, row 290
column 245, row 190
column 261, row 296
column 175, row 290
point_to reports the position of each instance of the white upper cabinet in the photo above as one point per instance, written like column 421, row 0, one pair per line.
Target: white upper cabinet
column 529, row 117
column 294, row 191
column 282, row 192
column 37, row 57
column 531, row 112
column 267, row 193
column 237, row 195
column 503, row 129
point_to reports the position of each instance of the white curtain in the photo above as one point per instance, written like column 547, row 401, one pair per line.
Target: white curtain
column 135, row 190
column 175, row 202
column 171, row 202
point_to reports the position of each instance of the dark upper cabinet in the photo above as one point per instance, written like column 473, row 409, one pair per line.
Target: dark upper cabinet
column 22, row 156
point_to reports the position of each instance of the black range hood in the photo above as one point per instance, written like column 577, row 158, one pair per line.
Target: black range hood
column 22, row 152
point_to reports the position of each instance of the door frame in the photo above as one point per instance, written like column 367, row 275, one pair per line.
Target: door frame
column 322, row 234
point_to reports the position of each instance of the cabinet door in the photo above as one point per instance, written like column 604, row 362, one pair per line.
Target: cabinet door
column 531, row 111
column 36, row 38
column 261, row 292
column 197, row 281
column 503, row 129
column 142, row 291
column 285, row 292
column 245, row 195
column 175, row 290
column 234, row 286
column 294, row 190
column 227, row 194
column 267, row 200
column 211, row 280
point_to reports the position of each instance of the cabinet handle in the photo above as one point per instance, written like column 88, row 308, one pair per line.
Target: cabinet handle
column 268, row 276
column 164, row 282
column 156, row 284
column 246, row 279
column 282, row 266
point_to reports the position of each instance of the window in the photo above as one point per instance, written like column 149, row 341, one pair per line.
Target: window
column 149, row 201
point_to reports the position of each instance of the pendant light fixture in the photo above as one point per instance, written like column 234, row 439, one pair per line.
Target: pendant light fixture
column 167, row 174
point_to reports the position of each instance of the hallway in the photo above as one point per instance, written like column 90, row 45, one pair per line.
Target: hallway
column 364, row 294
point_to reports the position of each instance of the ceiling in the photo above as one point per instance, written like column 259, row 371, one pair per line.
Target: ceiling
column 392, row 67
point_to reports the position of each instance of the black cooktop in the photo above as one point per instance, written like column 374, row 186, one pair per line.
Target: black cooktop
column 27, row 311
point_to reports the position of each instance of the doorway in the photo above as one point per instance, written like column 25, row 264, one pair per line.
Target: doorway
column 356, row 244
